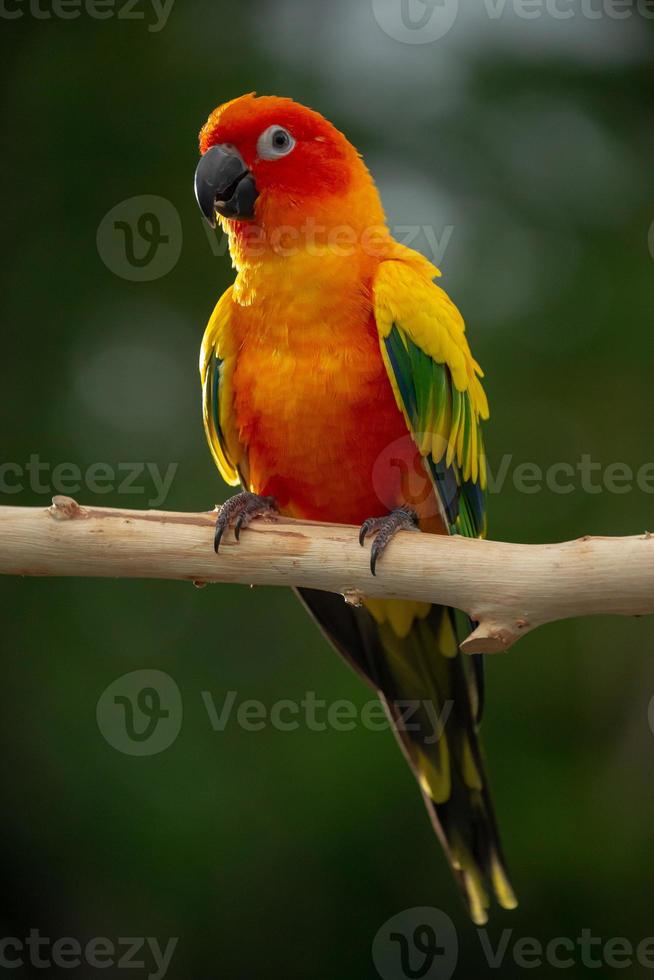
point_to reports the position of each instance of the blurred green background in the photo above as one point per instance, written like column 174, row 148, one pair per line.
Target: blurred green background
column 526, row 146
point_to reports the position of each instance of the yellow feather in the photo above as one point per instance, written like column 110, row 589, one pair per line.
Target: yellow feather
column 399, row 614
column 405, row 296
column 218, row 342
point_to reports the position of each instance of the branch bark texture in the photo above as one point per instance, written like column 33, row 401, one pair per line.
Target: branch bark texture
column 509, row 589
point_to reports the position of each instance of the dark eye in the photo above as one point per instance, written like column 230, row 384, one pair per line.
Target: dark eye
column 281, row 140
column 274, row 142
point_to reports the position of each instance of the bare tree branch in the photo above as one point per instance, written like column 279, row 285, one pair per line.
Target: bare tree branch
column 509, row 589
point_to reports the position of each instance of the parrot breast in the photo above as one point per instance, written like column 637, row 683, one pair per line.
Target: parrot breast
column 313, row 403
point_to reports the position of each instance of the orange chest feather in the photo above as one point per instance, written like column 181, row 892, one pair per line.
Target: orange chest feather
column 314, row 408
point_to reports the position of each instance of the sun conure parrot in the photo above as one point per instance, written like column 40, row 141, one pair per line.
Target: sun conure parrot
column 338, row 385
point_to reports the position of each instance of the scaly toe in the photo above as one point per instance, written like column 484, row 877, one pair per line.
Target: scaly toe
column 242, row 509
column 401, row 519
column 372, row 524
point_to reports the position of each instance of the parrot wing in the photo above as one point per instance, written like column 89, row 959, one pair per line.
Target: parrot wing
column 436, row 383
column 217, row 360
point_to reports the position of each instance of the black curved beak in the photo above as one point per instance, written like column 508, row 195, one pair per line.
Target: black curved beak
column 224, row 184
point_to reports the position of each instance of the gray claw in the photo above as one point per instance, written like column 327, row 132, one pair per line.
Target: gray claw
column 241, row 509
column 385, row 528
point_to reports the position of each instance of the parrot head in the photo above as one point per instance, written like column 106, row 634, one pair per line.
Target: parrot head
column 274, row 162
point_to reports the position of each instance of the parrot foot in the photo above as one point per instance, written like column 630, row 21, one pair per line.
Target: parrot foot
column 239, row 510
column 385, row 529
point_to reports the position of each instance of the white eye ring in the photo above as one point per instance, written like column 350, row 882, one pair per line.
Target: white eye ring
column 274, row 143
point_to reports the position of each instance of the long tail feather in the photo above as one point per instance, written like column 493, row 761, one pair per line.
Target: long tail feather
column 431, row 693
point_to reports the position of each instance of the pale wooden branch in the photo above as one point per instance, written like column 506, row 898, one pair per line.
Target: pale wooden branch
column 509, row 589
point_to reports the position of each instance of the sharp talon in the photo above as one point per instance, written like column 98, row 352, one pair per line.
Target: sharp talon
column 240, row 510
column 377, row 550
column 385, row 528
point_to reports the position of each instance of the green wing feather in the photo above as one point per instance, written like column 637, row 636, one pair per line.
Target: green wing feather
column 445, row 426
column 437, row 387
